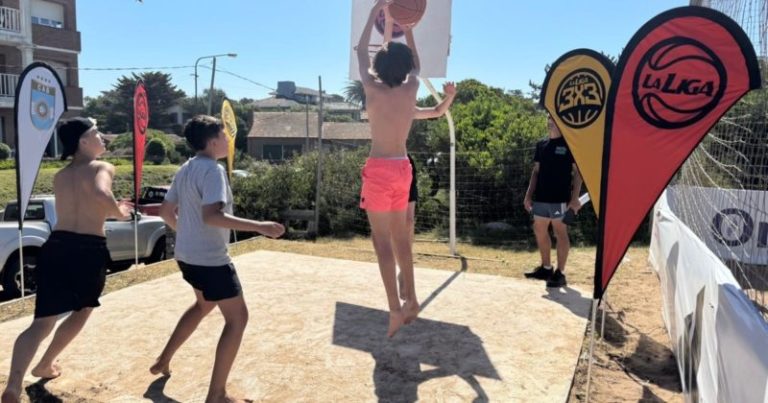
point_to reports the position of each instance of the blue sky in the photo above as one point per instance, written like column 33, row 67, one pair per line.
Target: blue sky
column 503, row 43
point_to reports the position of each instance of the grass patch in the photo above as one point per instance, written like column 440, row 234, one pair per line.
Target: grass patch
column 122, row 186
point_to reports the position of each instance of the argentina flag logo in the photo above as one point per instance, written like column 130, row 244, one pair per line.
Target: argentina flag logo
column 43, row 98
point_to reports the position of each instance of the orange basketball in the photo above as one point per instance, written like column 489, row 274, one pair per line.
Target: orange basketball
column 407, row 12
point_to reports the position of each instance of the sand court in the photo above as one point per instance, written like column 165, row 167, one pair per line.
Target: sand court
column 317, row 332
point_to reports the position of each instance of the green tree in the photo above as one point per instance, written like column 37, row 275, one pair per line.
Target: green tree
column 355, row 94
column 489, row 124
column 114, row 108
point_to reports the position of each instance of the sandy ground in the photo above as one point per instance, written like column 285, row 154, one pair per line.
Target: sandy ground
column 317, row 333
column 633, row 361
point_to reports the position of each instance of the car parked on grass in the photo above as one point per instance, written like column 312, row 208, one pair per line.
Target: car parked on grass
column 40, row 218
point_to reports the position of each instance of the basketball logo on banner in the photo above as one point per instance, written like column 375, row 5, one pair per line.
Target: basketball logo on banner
column 43, row 98
column 678, row 82
column 580, row 98
column 229, row 120
column 141, row 109
column 230, row 129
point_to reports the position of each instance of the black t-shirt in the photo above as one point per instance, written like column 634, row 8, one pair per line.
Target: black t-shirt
column 555, row 167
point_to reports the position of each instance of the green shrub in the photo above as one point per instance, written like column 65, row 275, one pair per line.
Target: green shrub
column 5, row 151
column 156, row 151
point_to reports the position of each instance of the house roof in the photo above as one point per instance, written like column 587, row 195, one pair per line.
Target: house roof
column 340, row 106
column 276, row 103
column 305, row 91
column 294, row 125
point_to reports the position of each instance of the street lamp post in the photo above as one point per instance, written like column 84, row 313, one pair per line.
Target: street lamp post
column 212, row 73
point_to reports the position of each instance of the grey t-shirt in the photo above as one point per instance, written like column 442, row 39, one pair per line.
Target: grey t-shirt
column 199, row 182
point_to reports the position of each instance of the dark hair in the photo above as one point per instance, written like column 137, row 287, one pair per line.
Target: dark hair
column 70, row 131
column 392, row 63
column 200, row 129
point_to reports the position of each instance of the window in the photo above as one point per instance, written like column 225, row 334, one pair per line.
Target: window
column 272, row 152
column 47, row 22
column 35, row 212
column 47, row 13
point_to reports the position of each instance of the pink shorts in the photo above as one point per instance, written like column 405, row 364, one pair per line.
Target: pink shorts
column 386, row 183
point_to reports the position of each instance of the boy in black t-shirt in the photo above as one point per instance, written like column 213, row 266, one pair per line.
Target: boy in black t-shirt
column 553, row 189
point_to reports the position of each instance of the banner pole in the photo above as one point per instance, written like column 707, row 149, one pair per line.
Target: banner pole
column 21, row 264
column 591, row 346
column 136, row 237
column 602, row 322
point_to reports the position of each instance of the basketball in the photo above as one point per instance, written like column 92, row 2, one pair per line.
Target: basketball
column 677, row 83
column 408, row 12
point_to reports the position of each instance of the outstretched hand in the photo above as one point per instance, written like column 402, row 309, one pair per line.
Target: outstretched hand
column 272, row 229
column 449, row 89
column 126, row 207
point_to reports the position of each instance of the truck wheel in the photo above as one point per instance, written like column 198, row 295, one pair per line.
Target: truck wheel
column 158, row 251
column 12, row 276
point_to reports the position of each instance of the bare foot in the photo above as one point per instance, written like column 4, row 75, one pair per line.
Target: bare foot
column 10, row 396
column 395, row 323
column 400, row 286
column 226, row 399
column 160, row 367
column 46, row 372
column 411, row 311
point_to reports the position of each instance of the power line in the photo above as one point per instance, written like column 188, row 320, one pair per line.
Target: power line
column 240, row 77
column 9, row 66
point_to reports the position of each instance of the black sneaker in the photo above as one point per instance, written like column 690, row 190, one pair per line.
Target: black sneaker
column 557, row 280
column 541, row 273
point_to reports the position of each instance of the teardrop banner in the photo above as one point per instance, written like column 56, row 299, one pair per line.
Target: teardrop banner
column 140, row 123
column 40, row 101
column 679, row 74
column 230, row 128
column 575, row 93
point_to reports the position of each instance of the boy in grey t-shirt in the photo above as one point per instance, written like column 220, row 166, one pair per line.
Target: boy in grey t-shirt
column 199, row 207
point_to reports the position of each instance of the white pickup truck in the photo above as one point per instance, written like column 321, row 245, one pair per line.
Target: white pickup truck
column 40, row 218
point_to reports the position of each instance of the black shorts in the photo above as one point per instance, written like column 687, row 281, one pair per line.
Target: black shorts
column 215, row 282
column 70, row 273
column 413, row 195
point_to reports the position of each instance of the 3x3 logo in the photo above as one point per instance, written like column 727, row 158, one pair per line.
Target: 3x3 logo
column 580, row 98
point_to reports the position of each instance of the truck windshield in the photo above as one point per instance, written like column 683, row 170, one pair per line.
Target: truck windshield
column 35, row 211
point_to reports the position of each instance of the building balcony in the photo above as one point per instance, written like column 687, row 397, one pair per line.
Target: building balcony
column 58, row 38
column 8, row 92
column 11, row 28
column 8, row 89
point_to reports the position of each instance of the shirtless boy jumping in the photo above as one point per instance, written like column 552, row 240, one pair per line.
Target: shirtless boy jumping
column 390, row 88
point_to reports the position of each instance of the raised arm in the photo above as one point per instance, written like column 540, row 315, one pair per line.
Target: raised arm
column 363, row 59
column 411, row 41
column 449, row 89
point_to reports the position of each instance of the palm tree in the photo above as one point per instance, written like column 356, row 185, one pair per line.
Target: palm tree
column 355, row 94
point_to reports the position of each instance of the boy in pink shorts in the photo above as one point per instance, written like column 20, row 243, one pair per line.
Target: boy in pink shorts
column 390, row 88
